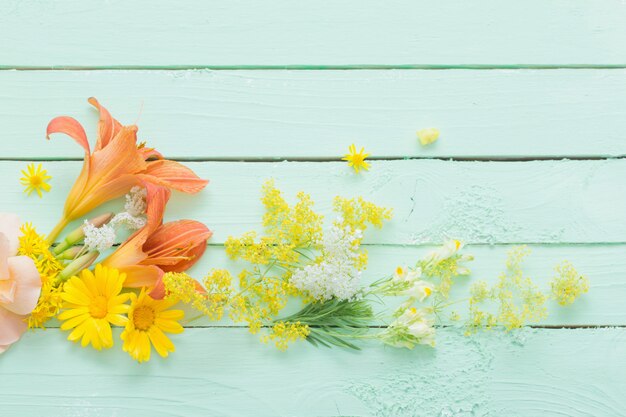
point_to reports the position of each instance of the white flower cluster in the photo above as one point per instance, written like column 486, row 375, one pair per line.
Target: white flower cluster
column 336, row 275
column 136, row 201
column 98, row 238
column 129, row 221
column 134, row 218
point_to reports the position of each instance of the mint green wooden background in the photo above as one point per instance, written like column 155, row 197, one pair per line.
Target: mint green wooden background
column 530, row 97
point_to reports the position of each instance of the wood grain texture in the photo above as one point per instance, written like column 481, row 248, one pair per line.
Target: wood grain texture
column 286, row 32
column 604, row 265
column 480, row 202
column 318, row 114
column 224, row 372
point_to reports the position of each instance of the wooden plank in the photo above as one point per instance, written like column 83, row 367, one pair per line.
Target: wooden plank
column 480, row 202
column 318, row 114
column 604, row 265
column 224, row 372
column 284, row 32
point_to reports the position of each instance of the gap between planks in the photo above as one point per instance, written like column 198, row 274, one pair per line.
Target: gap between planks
column 372, row 158
column 354, row 67
column 438, row 326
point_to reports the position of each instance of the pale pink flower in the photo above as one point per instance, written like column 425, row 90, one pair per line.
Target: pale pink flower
column 20, row 283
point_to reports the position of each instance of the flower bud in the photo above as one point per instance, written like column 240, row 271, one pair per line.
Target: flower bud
column 78, row 234
column 71, row 253
column 78, row 265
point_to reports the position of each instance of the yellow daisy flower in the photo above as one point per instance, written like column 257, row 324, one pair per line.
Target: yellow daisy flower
column 34, row 179
column 356, row 159
column 148, row 321
column 93, row 302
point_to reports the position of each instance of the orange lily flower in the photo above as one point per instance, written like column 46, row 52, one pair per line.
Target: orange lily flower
column 158, row 248
column 115, row 166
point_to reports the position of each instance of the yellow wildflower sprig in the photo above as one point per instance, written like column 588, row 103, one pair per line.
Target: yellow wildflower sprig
column 568, row 284
column 285, row 263
column 518, row 299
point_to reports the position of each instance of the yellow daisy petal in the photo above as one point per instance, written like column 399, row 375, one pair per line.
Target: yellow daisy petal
column 93, row 306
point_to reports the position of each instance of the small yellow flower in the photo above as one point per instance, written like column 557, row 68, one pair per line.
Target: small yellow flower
column 428, row 136
column 93, row 303
column 148, row 321
column 34, row 179
column 356, row 160
column 285, row 333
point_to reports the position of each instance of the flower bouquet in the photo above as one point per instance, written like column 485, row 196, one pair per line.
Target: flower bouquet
column 302, row 278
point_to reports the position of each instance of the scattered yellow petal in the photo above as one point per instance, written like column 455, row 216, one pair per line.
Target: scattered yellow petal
column 428, row 136
column 356, row 159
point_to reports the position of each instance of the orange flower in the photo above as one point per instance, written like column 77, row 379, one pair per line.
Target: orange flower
column 158, row 248
column 115, row 166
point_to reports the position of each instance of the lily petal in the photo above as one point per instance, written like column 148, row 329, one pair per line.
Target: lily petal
column 150, row 153
column 131, row 252
column 108, row 127
column 138, row 276
column 176, row 246
column 171, row 174
column 110, row 174
column 109, row 191
column 71, row 127
column 119, row 157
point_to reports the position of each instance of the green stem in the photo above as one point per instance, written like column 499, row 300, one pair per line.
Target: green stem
column 346, row 335
column 57, row 230
column 190, row 320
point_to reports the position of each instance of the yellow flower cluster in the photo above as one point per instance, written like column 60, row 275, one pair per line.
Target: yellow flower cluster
column 35, row 246
column 357, row 213
column 49, row 305
column 263, row 297
column 519, row 300
column 568, row 285
column 260, row 297
column 288, row 229
column 210, row 301
column 298, row 226
column 284, row 333
column 444, row 271
column 265, row 250
column 293, row 240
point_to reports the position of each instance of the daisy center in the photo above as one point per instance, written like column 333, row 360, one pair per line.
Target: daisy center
column 143, row 317
column 98, row 307
column 35, row 180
